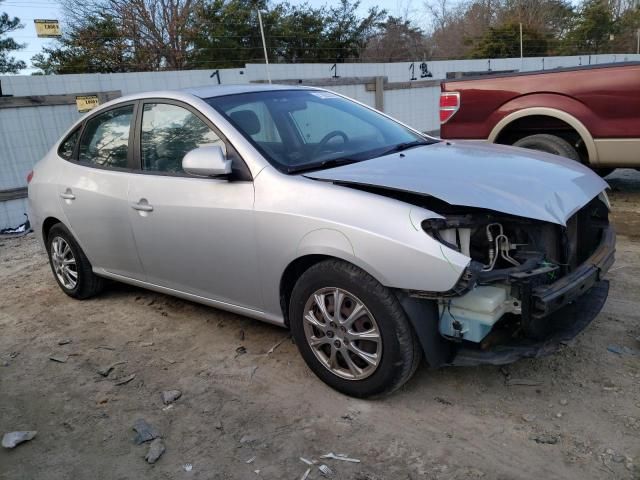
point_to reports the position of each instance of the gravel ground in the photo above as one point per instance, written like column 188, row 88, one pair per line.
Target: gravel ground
column 239, row 404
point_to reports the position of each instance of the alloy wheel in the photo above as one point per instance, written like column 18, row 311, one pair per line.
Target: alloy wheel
column 342, row 333
column 64, row 263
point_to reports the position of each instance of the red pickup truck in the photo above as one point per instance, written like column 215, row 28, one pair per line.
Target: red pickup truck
column 590, row 114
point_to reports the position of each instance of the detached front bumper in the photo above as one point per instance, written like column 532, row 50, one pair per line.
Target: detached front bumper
column 561, row 309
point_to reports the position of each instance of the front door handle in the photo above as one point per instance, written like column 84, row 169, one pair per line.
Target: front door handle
column 142, row 206
column 68, row 195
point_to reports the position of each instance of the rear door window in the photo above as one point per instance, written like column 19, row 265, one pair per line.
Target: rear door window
column 105, row 139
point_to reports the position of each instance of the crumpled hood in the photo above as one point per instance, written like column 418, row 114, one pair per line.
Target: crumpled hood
column 511, row 180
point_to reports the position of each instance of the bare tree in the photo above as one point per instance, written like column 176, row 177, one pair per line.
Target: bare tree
column 161, row 32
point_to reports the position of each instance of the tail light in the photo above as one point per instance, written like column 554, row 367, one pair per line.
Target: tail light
column 449, row 105
column 30, row 176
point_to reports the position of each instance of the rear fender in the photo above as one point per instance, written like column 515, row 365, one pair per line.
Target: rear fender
column 570, row 111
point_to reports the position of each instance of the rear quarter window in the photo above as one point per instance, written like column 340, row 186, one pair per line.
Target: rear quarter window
column 68, row 145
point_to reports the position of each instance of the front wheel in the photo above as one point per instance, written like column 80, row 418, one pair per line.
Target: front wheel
column 351, row 331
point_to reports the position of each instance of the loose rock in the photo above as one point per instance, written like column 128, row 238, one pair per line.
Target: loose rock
column 170, row 396
column 156, row 449
column 145, row 432
column 13, row 439
column 64, row 341
column 529, row 417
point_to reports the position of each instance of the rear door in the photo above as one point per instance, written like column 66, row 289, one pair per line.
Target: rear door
column 92, row 189
column 194, row 235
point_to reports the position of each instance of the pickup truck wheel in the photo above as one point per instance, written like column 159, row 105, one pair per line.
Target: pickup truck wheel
column 70, row 266
column 549, row 144
column 351, row 331
column 603, row 172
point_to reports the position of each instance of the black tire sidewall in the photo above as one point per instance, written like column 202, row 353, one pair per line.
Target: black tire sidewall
column 549, row 144
column 355, row 282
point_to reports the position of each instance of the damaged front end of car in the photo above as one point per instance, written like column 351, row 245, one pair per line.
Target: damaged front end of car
column 530, row 286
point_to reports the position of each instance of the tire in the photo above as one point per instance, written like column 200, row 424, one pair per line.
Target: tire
column 78, row 280
column 603, row 172
column 396, row 350
column 549, row 144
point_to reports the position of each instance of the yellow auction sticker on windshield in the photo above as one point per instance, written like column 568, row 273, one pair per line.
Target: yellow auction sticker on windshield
column 47, row 28
column 87, row 102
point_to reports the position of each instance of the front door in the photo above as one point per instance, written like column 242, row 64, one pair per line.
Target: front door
column 194, row 235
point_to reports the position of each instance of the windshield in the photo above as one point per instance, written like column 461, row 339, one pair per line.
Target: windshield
column 301, row 130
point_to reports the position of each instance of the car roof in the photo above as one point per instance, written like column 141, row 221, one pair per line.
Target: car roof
column 221, row 90
column 187, row 94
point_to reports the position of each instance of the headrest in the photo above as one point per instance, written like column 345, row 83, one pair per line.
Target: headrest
column 247, row 120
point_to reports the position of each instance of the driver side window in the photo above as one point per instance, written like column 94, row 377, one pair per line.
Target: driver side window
column 320, row 119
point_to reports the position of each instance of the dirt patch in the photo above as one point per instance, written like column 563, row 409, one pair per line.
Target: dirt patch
column 574, row 415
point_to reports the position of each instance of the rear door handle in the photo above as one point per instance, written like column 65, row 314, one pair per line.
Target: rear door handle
column 142, row 206
column 68, row 195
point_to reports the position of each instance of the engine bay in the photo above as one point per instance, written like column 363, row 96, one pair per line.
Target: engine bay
column 511, row 257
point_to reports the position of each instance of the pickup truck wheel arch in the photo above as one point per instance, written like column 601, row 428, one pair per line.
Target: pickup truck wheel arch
column 550, row 112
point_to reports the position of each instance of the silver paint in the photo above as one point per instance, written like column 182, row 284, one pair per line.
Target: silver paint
column 227, row 244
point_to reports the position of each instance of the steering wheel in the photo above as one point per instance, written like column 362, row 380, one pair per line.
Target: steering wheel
column 325, row 140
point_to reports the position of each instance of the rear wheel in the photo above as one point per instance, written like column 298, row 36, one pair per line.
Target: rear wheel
column 549, row 144
column 545, row 142
column 352, row 331
column 70, row 266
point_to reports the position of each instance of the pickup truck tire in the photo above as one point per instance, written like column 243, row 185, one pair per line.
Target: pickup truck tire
column 316, row 331
column 557, row 146
column 549, row 144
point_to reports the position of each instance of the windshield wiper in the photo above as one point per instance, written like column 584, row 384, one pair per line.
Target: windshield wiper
column 405, row 146
column 333, row 162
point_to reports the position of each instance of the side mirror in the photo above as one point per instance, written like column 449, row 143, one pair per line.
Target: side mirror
column 207, row 161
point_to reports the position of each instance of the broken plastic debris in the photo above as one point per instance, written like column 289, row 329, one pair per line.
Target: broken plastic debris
column 13, row 439
column 250, row 460
column 59, row 358
column 107, row 370
column 187, row 467
column 273, row 349
column 304, row 460
column 340, row 456
column 123, row 380
column 325, row 470
column 305, row 474
column 523, row 382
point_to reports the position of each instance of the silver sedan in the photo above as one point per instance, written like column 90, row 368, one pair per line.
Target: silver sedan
column 376, row 245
